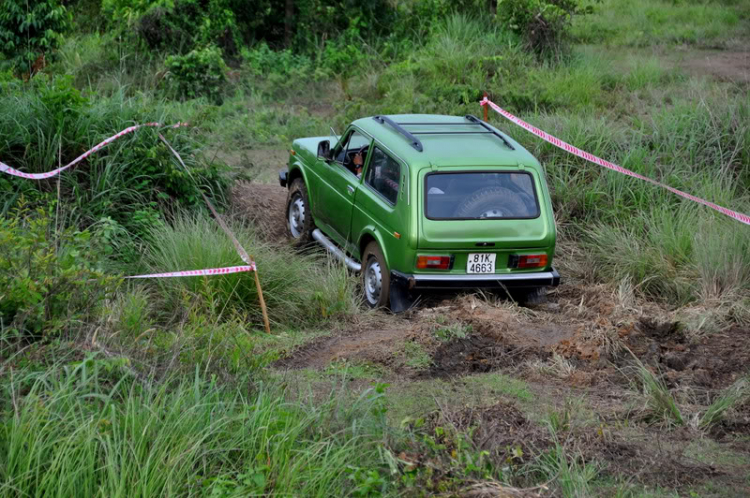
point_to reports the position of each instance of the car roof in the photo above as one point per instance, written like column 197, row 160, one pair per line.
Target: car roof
column 446, row 141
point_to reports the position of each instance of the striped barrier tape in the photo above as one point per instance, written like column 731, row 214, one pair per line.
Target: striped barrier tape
column 743, row 218
column 4, row 168
column 199, row 273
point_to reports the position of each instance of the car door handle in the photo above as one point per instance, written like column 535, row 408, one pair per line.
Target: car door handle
column 350, row 188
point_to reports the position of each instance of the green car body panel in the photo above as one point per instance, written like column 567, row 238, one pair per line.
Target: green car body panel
column 350, row 212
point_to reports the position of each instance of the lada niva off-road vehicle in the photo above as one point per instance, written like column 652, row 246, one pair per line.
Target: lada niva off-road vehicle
column 424, row 202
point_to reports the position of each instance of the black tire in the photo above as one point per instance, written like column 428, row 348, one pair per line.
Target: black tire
column 500, row 200
column 299, row 222
column 375, row 275
column 530, row 297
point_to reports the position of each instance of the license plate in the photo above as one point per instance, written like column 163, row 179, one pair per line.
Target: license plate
column 481, row 263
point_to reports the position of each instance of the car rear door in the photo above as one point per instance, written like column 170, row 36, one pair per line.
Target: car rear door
column 519, row 221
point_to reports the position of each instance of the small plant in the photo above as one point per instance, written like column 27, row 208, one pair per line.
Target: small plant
column 571, row 473
column 199, row 73
column 660, row 400
column 416, row 356
column 736, row 394
column 447, row 333
column 545, row 24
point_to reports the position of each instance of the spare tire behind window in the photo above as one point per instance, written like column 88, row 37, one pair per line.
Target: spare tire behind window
column 493, row 202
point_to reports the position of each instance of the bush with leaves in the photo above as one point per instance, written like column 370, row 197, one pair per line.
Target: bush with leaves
column 130, row 184
column 199, row 73
column 50, row 278
column 342, row 58
column 545, row 24
column 30, row 31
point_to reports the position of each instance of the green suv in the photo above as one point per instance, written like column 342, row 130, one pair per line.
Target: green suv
column 424, row 202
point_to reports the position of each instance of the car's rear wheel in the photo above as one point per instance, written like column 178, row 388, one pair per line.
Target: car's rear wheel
column 375, row 277
column 530, row 297
column 298, row 216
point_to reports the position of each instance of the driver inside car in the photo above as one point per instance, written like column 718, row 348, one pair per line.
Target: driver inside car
column 358, row 162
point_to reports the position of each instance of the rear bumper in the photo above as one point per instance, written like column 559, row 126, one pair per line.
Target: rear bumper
column 504, row 281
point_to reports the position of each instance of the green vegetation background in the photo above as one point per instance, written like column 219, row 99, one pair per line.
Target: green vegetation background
column 178, row 402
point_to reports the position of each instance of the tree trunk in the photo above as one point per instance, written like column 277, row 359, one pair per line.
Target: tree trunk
column 288, row 23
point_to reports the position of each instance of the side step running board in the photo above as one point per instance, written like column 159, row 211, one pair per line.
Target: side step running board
column 336, row 251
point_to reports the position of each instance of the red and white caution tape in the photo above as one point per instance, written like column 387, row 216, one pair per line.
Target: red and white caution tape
column 743, row 218
column 199, row 273
column 4, row 168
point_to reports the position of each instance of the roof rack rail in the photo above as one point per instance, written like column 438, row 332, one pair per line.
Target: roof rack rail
column 484, row 125
column 415, row 142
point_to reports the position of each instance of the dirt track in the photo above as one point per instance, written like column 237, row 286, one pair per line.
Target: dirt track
column 583, row 340
column 583, row 324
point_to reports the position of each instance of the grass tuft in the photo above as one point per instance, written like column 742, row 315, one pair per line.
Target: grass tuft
column 733, row 396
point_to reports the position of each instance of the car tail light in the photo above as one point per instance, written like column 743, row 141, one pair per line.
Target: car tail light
column 434, row 262
column 527, row 261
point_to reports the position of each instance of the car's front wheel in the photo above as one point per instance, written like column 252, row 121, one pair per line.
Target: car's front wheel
column 298, row 216
column 376, row 278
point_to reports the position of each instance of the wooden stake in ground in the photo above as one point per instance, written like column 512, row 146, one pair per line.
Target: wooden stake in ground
column 240, row 250
column 484, row 108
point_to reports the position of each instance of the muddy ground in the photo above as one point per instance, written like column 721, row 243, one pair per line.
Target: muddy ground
column 585, row 343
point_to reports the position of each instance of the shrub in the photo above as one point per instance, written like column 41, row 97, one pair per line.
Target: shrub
column 49, row 279
column 185, row 25
column 127, row 186
column 342, row 58
column 545, row 24
column 30, row 31
column 201, row 72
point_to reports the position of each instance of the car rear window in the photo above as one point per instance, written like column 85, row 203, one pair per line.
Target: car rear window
column 480, row 195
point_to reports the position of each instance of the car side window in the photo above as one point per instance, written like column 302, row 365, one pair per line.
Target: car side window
column 355, row 144
column 384, row 175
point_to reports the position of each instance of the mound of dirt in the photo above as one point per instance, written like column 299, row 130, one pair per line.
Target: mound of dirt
column 264, row 206
column 376, row 346
column 478, row 354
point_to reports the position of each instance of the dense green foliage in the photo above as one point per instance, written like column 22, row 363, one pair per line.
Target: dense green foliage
column 30, row 30
column 198, row 73
column 51, row 277
column 177, row 399
column 128, row 185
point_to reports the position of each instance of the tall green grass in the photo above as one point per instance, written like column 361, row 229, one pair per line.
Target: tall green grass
column 92, row 429
column 299, row 289
column 669, row 248
column 128, row 184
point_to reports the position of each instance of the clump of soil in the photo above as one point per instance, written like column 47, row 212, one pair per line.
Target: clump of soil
column 478, row 354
